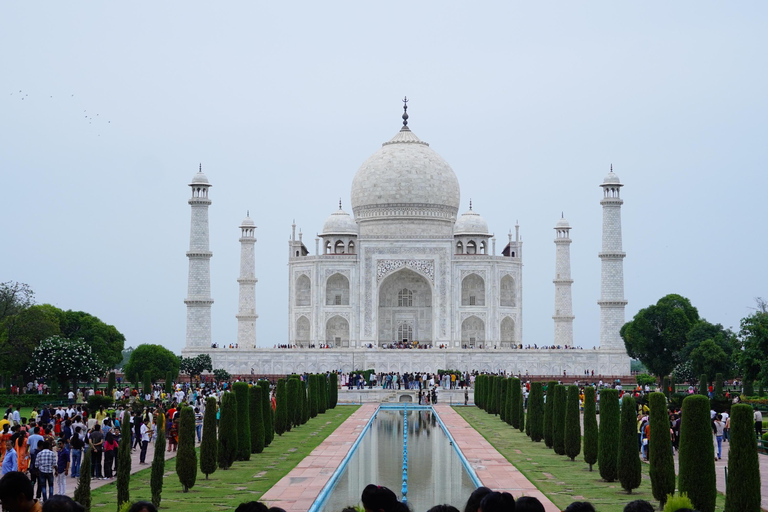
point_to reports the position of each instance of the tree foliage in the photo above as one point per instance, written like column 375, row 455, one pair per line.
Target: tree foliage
column 21, row 333
column 515, row 395
column 104, row 339
column 195, row 366
column 536, row 412
column 267, row 413
column 221, row 375
column 742, row 493
column 711, row 349
column 227, row 449
column 697, row 455
column 281, row 411
column 657, row 334
column 209, row 445
column 608, row 435
column 255, row 411
column 61, row 359
column 558, row 420
column 662, row 464
column 243, row 421
column 124, row 470
column 629, row 470
column 753, row 362
column 186, row 458
column 156, row 359
column 158, row 464
column 590, row 427
column 83, row 490
column 572, row 423
column 549, row 411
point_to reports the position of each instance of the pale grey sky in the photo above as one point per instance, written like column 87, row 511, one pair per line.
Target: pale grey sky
column 106, row 109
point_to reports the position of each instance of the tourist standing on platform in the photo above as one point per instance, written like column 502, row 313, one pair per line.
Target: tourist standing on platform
column 62, row 467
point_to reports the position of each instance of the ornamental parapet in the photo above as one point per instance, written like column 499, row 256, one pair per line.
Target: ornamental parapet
column 199, row 254
column 200, row 201
column 612, row 254
column 247, row 280
column 612, row 303
column 198, row 302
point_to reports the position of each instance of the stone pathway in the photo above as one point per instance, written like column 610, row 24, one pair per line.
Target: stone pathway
column 135, row 466
column 297, row 490
column 491, row 467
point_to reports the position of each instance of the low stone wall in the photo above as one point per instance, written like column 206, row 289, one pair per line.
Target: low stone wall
column 378, row 395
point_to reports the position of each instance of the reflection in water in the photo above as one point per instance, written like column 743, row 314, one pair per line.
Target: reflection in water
column 435, row 472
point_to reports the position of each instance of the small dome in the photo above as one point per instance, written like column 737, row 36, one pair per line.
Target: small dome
column 562, row 223
column 611, row 179
column 340, row 223
column 247, row 222
column 200, row 179
column 470, row 223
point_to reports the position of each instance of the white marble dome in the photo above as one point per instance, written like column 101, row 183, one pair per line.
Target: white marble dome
column 406, row 173
column 199, row 179
column 248, row 222
column 470, row 223
column 611, row 179
column 562, row 223
column 340, row 223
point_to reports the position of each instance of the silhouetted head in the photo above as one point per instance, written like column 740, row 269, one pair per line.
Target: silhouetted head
column 473, row 503
column 528, row 504
column 497, row 502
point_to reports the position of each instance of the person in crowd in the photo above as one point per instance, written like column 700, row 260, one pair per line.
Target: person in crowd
column 142, row 506
column 528, row 504
column 145, row 434
column 110, row 450
column 61, row 503
column 96, row 443
column 62, row 466
column 10, row 461
column 719, row 427
column 639, row 506
column 376, row 498
column 497, row 502
column 45, row 463
column 443, row 508
column 76, row 452
column 580, row 506
column 17, row 493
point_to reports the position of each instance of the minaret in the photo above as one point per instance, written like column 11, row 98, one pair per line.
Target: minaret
column 246, row 310
column 199, row 299
column 611, row 301
column 563, row 316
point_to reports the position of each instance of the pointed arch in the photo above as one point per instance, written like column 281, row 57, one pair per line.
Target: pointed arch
column 303, row 291
column 337, row 290
column 303, row 329
column 473, row 291
column 337, row 331
column 507, row 331
column 507, row 295
column 472, row 330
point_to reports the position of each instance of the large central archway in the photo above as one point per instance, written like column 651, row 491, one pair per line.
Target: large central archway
column 405, row 308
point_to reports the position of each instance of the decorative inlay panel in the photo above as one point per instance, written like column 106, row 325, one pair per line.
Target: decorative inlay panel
column 386, row 267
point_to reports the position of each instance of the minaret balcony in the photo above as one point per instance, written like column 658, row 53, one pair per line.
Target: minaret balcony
column 199, row 254
column 612, row 254
column 198, row 302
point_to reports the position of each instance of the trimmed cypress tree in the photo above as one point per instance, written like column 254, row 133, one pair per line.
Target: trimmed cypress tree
column 514, row 397
column 662, row 464
column 209, row 446
column 590, row 427
column 742, row 493
column 749, row 387
column 123, row 470
column 491, row 409
column 697, row 454
column 572, row 423
column 322, row 403
column 147, row 382
column 536, row 412
column 111, row 383
column 83, row 489
column 630, row 474
column 267, row 413
column 304, row 402
column 497, row 394
column 503, row 399
column 243, row 421
column 558, row 420
column 257, row 425
column 718, row 385
column 186, row 458
column 521, row 419
column 281, row 412
column 704, row 385
column 169, row 382
column 158, row 465
column 549, row 411
column 479, row 390
column 8, row 383
column 227, row 449
column 665, row 385
column 312, row 396
column 608, row 435
column 334, row 382
column 294, row 405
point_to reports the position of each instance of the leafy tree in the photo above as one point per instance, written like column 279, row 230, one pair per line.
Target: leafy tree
column 657, row 334
column 221, row 375
column 662, row 464
column 83, row 490
column 742, row 492
column 572, row 423
column 683, row 372
column 536, row 412
column 753, row 362
column 255, row 410
column 123, row 470
column 186, row 458
column 158, row 464
column 281, row 413
column 630, row 474
column 590, row 427
column 549, row 411
column 643, row 379
column 558, row 420
column 62, row 359
column 227, row 430
column 697, row 455
column 708, row 359
column 243, row 421
column 711, row 349
column 749, row 389
column 209, row 445
column 105, row 340
column 195, row 366
column 608, row 436
column 14, row 298
column 126, row 354
column 21, row 333
column 156, row 359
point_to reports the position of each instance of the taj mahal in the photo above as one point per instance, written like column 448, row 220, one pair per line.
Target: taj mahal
column 406, row 283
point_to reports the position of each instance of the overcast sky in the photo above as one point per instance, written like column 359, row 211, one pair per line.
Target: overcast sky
column 107, row 108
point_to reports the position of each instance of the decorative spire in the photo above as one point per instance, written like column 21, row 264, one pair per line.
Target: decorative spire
column 470, row 205
column 248, row 213
column 200, row 169
column 405, row 111
column 611, row 167
column 562, row 215
column 339, row 204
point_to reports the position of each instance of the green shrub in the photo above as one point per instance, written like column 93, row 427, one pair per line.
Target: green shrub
column 629, row 471
column 749, row 388
column 675, row 503
column 111, row 383
column 227, row 449
column 312, row 397
column 123, row 470
column 240, row 390
column 590, row 427
column 662, row 464
column 516, row 396
column 549, row 411
column 718, row 385
column 158, row 465
column 521, row 419
column 322, row 390
column 186, row 458
column 83, row 490
column 267, row 415
column 704, row 385
column 572, row 423
column 503, row 399
column 281, row 412
column 697, row 455
column 147, row 382
column 257, row 425
column 209, row 446
column 536, row 412
column 608, row 435
column 643, row 379
column 334, row 383
column 742, row 493
column 558, row 420
column 96, row 402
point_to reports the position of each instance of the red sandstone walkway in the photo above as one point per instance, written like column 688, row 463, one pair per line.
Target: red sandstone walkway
column 493, row 470
column 297, row 490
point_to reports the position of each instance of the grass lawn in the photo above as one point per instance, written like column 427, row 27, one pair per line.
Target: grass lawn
column 562, row 480
column 244, row 481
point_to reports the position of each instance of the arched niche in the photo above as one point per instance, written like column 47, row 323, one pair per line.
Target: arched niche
column 405, row 296
column 337, row 331
column 473, row 291
column 337, row 290
column 472, row 330
column 303, row 291
column 507, row 291
column 303, row 329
